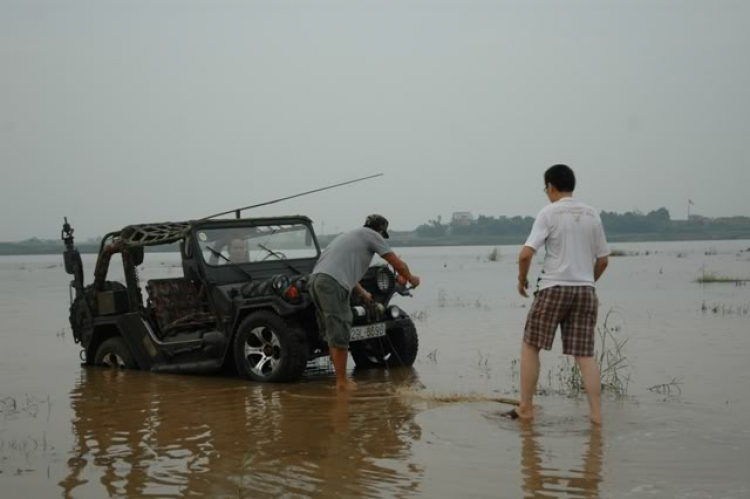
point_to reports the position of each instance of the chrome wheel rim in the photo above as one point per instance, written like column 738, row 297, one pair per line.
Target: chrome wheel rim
column 113, row 361
column 376, row 353
column 262, row 351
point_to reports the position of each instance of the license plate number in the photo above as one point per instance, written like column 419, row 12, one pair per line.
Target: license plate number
column 367, row 332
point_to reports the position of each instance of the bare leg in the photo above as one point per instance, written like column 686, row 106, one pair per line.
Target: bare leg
column 529, row 379
column 593, row 384
column 339, row 356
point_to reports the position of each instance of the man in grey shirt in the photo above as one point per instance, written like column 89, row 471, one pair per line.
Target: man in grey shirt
column 338, row 272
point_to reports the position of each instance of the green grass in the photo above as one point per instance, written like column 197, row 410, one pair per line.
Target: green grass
column 618, row 252
column 711, row 277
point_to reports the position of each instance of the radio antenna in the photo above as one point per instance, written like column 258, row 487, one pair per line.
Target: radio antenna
column 238, row 211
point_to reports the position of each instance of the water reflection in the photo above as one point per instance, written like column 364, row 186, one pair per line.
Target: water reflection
column 541, row 480
column 142, row 435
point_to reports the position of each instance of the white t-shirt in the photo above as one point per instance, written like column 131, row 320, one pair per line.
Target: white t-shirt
column 573, row 237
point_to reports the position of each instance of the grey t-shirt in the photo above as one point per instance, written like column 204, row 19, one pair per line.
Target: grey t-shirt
column 349, row 255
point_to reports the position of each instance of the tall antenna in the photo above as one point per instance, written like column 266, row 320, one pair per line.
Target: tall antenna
column 237, row 211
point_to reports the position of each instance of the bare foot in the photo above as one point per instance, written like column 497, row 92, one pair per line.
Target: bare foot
column 346, row 386
column 525, row 415
column 517, row 414
column 596, row 418
column 525, row 411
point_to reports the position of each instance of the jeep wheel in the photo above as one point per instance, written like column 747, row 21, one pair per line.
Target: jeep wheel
column 266, row 349
column 115, row 354
column 398, row 348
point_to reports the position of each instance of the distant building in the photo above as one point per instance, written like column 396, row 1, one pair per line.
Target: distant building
column 698, row 220
column 462, row 218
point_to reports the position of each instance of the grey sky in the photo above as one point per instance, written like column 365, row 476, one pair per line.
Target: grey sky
column 121, row 112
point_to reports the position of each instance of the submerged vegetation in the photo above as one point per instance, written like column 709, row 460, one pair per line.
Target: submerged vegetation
column 613, row 364
column 443, row 301
column 494, row 255
column 673, row 388
column 724, row 309
column 707, row 277
column 29, row 406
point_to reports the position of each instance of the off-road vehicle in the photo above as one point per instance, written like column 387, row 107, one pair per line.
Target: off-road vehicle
column 241, row 303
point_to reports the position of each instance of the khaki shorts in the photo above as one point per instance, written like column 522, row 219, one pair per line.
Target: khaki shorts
column 574, row 309
column 334, row 313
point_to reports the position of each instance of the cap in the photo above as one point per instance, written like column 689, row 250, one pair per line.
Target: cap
column 377, row 223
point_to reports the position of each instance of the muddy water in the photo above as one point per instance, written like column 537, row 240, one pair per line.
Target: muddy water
column 70, row 431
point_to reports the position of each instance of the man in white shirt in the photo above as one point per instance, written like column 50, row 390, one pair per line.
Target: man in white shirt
column 576, row 256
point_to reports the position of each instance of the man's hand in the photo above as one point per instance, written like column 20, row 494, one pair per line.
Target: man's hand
column 402, row 269
column 522, row 287
column 363, row 293
column 524, row 262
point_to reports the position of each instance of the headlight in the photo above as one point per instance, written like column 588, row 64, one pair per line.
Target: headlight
column 280, row 283
column 394, row 312
column 385, row 280
column 359, row 311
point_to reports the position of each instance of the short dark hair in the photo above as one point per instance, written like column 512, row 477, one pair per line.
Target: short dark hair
column 561, row 177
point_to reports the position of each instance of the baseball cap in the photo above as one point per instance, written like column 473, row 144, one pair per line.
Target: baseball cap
column 378, row 223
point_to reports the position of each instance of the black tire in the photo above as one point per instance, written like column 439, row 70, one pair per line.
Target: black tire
column 115, row 354
column 398, row 348
column 266, row 349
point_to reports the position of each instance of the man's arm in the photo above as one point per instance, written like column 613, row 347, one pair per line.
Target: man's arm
column 401, row 268
column 524, row 263
column 600, row 266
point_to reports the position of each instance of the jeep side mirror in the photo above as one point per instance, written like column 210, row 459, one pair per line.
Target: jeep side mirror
column 136, row 254
column 71, row 257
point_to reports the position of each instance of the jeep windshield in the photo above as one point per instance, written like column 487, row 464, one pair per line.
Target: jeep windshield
column 252, row 244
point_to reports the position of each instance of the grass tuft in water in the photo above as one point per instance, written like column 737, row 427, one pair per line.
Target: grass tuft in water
column 724, row 309
column 673, row 387
column 619, row 252
column 613, row 367
column 707, row 277
column 494, row 255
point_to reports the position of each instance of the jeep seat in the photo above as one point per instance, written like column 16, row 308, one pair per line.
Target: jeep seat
column 177, row 306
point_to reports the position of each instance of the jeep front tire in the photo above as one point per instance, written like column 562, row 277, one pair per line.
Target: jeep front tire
column 397, row 349
column 266, row 349
column 115, row 354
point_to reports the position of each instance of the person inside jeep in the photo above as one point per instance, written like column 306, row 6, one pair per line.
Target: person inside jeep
column 226, row 251
column 237, row 250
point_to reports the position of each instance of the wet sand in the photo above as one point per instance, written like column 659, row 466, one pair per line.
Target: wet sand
column 71, row 431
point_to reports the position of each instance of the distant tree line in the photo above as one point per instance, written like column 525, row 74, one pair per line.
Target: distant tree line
column 631, row 222
column 482, row 226
column 629, row 226
column 635, row 221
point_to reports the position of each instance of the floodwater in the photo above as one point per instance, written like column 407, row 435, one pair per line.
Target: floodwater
column 680, row 431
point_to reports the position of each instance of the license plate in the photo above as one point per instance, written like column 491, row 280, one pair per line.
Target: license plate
column 367, row 332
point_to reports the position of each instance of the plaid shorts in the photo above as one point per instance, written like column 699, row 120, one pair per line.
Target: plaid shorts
column 574, row 309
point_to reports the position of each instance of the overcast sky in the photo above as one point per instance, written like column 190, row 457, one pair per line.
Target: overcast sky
column 115, row 113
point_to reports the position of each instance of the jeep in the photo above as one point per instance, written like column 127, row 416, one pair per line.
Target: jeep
column 240, row 306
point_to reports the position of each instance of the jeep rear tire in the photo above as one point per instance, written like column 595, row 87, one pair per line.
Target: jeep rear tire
column 398, row 348
column 266, row 349
column 115, row 354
